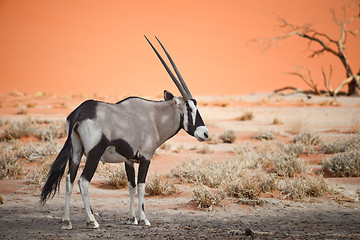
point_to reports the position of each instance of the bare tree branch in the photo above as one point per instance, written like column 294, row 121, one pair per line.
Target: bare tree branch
column 324, row 44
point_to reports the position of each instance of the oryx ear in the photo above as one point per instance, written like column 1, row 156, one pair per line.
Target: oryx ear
column 168, row 95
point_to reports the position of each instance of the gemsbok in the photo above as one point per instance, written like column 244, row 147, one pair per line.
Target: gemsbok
column 127, row 131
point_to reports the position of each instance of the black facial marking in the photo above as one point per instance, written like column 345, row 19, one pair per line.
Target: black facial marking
column 93, row 158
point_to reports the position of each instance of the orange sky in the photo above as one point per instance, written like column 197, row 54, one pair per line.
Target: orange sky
column 93, row 46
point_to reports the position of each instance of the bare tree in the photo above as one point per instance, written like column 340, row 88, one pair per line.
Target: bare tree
column 324, row 44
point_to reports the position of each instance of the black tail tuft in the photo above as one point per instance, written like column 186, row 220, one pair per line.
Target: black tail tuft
column 56, row 172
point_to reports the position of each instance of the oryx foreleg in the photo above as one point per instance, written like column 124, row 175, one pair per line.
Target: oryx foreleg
column 143, row 169
column 130, row 173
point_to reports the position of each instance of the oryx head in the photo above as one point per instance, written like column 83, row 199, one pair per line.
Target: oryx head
column 191, row 118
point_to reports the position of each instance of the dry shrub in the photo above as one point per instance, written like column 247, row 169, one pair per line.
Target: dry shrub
column 9, row 165
column 115, row 176
column 22, row 111
column 4, row 122
column 288, row 165
column 244, row 188
column 264, row 136
column 165, row 146
column 277, row 121
column 228, row 136
column 205, row 150
column 38, row 151
column 307, row 138
column 206, row 198
column 297, row 126
column 340, row 145
column 52, row 131
column 38, row 177
column 299, row 188
column 158, row 187
column 295, row 149
column 213, row 138
column 346, row 164
column 212, row 173
column 267, row 182
column 18, row 129
column 246, row 116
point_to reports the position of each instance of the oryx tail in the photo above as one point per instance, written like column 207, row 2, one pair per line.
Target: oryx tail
column 56, row 172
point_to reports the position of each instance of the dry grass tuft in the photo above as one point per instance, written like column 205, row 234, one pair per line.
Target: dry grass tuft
column 53, row 130
column 228, row 136
column 9, row 165
column 288, row 165
column 205, row 150
column 157, row 187
column 346, row 161
column 38, row 152
column 277, row 121
column 340, row 145
column 246, row 116
column 264, row 136
column 297, row 126
column 299, row 188
column 307, row 138
column 38, row 177
column 206, row 198
column 18, row 129
column 115, row 175
column 346, row 164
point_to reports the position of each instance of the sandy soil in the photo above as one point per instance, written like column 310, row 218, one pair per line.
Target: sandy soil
column 178, row 217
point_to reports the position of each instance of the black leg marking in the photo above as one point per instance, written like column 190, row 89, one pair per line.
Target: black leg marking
column 93, row 158
column 143, row 208
column 130, row 173
column 143, row 169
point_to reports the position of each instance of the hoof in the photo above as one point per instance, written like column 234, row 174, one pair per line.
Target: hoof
column 92, row 224
column 66, row 225
column 144, row 222
column 132, row 221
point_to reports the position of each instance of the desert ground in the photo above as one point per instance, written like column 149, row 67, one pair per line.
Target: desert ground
column 264, row 126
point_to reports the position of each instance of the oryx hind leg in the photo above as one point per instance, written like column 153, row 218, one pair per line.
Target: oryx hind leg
column 92, row 160
column 74, row 161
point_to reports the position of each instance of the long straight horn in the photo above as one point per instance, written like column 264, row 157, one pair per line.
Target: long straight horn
column 178, row 85
column 176, row 69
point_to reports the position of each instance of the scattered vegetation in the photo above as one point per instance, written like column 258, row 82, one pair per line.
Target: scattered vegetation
column 346, row 159
column 264, row 136
column 277, row 121
column 346, row 164
column 228, row 136
column 205, row 150
column 289, row 166
column 38, row 177
column 246, row 116
column 206, row 198
column 10, row 167
column 307, row 138
column 18, row 129
column 156, row 186
column 115, row 175
column 53, row 130
column 299, row 188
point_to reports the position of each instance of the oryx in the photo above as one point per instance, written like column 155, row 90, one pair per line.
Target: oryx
column 128, row 131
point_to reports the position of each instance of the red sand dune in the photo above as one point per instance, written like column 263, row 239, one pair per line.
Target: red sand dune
column 82, row 46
